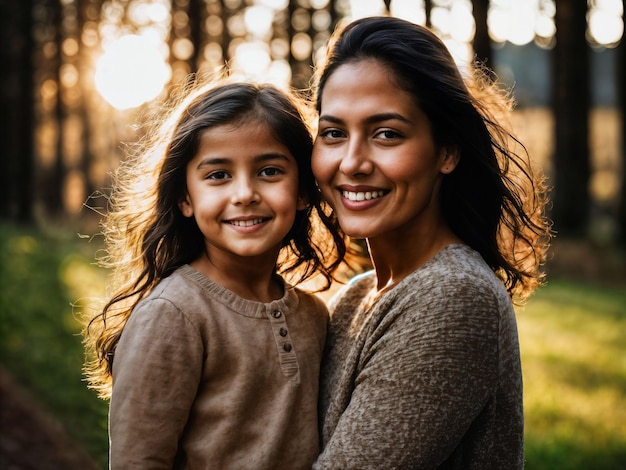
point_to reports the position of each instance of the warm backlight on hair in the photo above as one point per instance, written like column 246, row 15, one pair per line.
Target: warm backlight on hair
column 131, row 72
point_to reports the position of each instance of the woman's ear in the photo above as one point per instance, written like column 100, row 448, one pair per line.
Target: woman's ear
column 450, row 160
column 185, row 206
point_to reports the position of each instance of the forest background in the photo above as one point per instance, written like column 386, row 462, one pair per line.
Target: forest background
column 80, row 77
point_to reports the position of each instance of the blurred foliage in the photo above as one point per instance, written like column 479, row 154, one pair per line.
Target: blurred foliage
column 572, row 337
column 42, row 276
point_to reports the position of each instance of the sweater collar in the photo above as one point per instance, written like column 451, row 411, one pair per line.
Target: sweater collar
column 251, row 308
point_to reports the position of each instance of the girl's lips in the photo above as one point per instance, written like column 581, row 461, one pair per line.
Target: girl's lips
column 247, row 225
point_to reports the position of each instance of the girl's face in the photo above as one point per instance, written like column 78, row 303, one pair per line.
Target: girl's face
column 374, row 156
column 242, row 190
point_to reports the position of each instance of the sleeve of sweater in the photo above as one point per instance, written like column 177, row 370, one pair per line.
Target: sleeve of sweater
column 427, row 367
column 156, row 371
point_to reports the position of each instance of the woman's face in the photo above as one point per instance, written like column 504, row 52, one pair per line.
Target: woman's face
column 374, row 156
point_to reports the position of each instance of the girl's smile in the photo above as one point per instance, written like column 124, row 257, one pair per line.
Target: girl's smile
column 249, row 224
column 242, row 190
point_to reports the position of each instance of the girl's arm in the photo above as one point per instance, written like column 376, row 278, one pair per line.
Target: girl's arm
column 156, row 372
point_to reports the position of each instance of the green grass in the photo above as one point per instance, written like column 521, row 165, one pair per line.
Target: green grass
column 572, row 336
column 41, row 278
column 573, row 343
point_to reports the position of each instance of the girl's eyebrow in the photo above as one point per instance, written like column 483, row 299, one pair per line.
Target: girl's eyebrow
column 373, row 119
column 212, row 162
column 225, row 161
column 271, row 156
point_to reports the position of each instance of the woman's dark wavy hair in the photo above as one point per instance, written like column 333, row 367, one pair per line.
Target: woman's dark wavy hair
column 146, row 235
column 492, row 200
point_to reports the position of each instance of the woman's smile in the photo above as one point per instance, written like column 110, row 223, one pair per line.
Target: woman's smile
column 359, row 198
column 374, row 157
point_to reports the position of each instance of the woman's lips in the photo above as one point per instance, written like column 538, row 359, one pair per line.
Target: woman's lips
column 362, row 195
column 361, row 199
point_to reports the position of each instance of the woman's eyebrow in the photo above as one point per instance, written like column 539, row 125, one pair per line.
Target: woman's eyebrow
column 386, row 117
column 330, row 118
column 375, row 118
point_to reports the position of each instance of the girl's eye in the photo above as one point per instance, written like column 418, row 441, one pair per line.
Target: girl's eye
column 270, row 171
column 217, row 175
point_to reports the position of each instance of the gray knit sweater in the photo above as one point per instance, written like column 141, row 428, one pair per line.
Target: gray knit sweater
column 428, row 378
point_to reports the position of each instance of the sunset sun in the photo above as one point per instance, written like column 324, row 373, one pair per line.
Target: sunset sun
column 131, row 72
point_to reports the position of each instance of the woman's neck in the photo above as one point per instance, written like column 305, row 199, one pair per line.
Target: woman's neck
column 394, row 258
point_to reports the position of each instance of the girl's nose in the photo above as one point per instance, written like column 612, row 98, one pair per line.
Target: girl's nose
column 244, row 192
column 356, row 161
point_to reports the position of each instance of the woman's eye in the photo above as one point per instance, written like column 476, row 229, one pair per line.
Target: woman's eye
column 331, row 134
column 387, row 134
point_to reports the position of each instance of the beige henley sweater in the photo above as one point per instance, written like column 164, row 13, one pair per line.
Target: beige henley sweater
column 429, row 378
column 204, row 379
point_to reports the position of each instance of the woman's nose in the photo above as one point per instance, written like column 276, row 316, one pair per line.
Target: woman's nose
column 356, row 161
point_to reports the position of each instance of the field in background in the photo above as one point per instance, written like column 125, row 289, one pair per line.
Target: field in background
column 573, row 343
column 572, row 334
column 42, row 278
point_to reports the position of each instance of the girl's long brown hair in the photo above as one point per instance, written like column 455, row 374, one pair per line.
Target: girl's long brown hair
column 146, row 235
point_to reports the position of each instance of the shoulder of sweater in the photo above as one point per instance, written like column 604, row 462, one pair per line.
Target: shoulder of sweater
column 455, row 275
column 170, row 287
column 458, row 264
column 165, row 311
column 176, row 294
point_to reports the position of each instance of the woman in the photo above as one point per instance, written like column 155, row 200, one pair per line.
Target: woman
column 422, row 363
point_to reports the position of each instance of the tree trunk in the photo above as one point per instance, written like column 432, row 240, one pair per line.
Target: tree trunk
column 16, row 95
column 571, row 104
column 197, row 15
column 55, row 179
column 621, row 85
column 86, row 105
column 428, row 6
column 300, row 68
column 482, row 43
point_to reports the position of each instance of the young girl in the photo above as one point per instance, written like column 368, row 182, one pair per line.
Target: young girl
column 213, row 359
column 423, row 365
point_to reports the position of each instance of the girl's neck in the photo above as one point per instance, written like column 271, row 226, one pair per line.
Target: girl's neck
column 251, row 279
